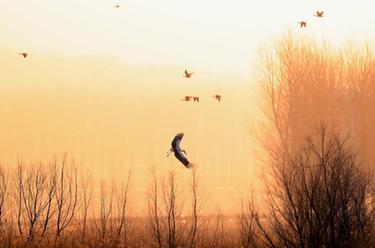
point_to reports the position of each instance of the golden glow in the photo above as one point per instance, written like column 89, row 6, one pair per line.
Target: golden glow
column 104, row 84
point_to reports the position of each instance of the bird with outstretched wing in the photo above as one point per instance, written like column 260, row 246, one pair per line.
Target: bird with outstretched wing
column 319, row 13
column 217, row 97
column 178, row 152
column 302, row 24
column 23, row 54
column 187, row 74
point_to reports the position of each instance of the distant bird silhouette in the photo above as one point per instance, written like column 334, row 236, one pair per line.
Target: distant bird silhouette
column 23, row 54
column 117, row 6
column 319, row 14
column 178, row 152
column 196, row 98
column 302, row 24
column 217, row 97
column 187, row 98
column 187, row 74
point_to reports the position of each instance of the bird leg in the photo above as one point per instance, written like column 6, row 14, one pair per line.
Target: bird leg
column 169, row 152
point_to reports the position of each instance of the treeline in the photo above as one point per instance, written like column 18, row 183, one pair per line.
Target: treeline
column 48, row 204
column 54, row 204
column 319, row 195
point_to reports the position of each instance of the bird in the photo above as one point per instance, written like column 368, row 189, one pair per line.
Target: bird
column 302, row 24
column 196, row 98
column 217, row 97
column 319, row 14
column 178, row 152
column 187, row 98
column 117, row 6
column 187, row 74
column 23, row 54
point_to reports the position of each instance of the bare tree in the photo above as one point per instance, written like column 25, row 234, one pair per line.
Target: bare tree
column 313, row 186
column 195, row 209
column 19, row 188
column 302, row 84
column 154, row 214
column 167, row 227
column 319, row 197
column 217, row 233
column 66, row 197
column 198, row 202
column 247, row 221
column 123, row 209
column 32, row 190
column 51, row 190
column 106, row 209
column 4, row 186
column 86, row 196
column 172, row 209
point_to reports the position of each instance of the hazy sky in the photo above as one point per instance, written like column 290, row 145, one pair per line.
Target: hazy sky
column 104, row 84
column 215, row 35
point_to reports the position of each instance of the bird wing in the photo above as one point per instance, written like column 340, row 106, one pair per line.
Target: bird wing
column 176, row 142
column 186, row 73
column 181, row 157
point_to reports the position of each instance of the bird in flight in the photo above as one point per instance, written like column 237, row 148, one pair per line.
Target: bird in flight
column 178, row 152
column 302, row 24
column 117, row 6
column 319, row 13
column 23, row 54
column 187, row 98
column 196, row 98
column 187, row 74
column 217, row 97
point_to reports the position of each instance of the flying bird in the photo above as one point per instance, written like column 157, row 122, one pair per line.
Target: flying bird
column 217, row 97
column 178, row 152
column 302, row 24
column 23, row 54
column 319, row 14
column 187, row 98
column 196, row 98
column 117, row 6
column 187, row 74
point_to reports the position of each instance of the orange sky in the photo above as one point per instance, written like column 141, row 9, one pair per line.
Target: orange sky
column 104, row 84
column 111, row 117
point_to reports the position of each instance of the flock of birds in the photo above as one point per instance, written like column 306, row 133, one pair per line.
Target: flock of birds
column 318, row 14
column 196, row 98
